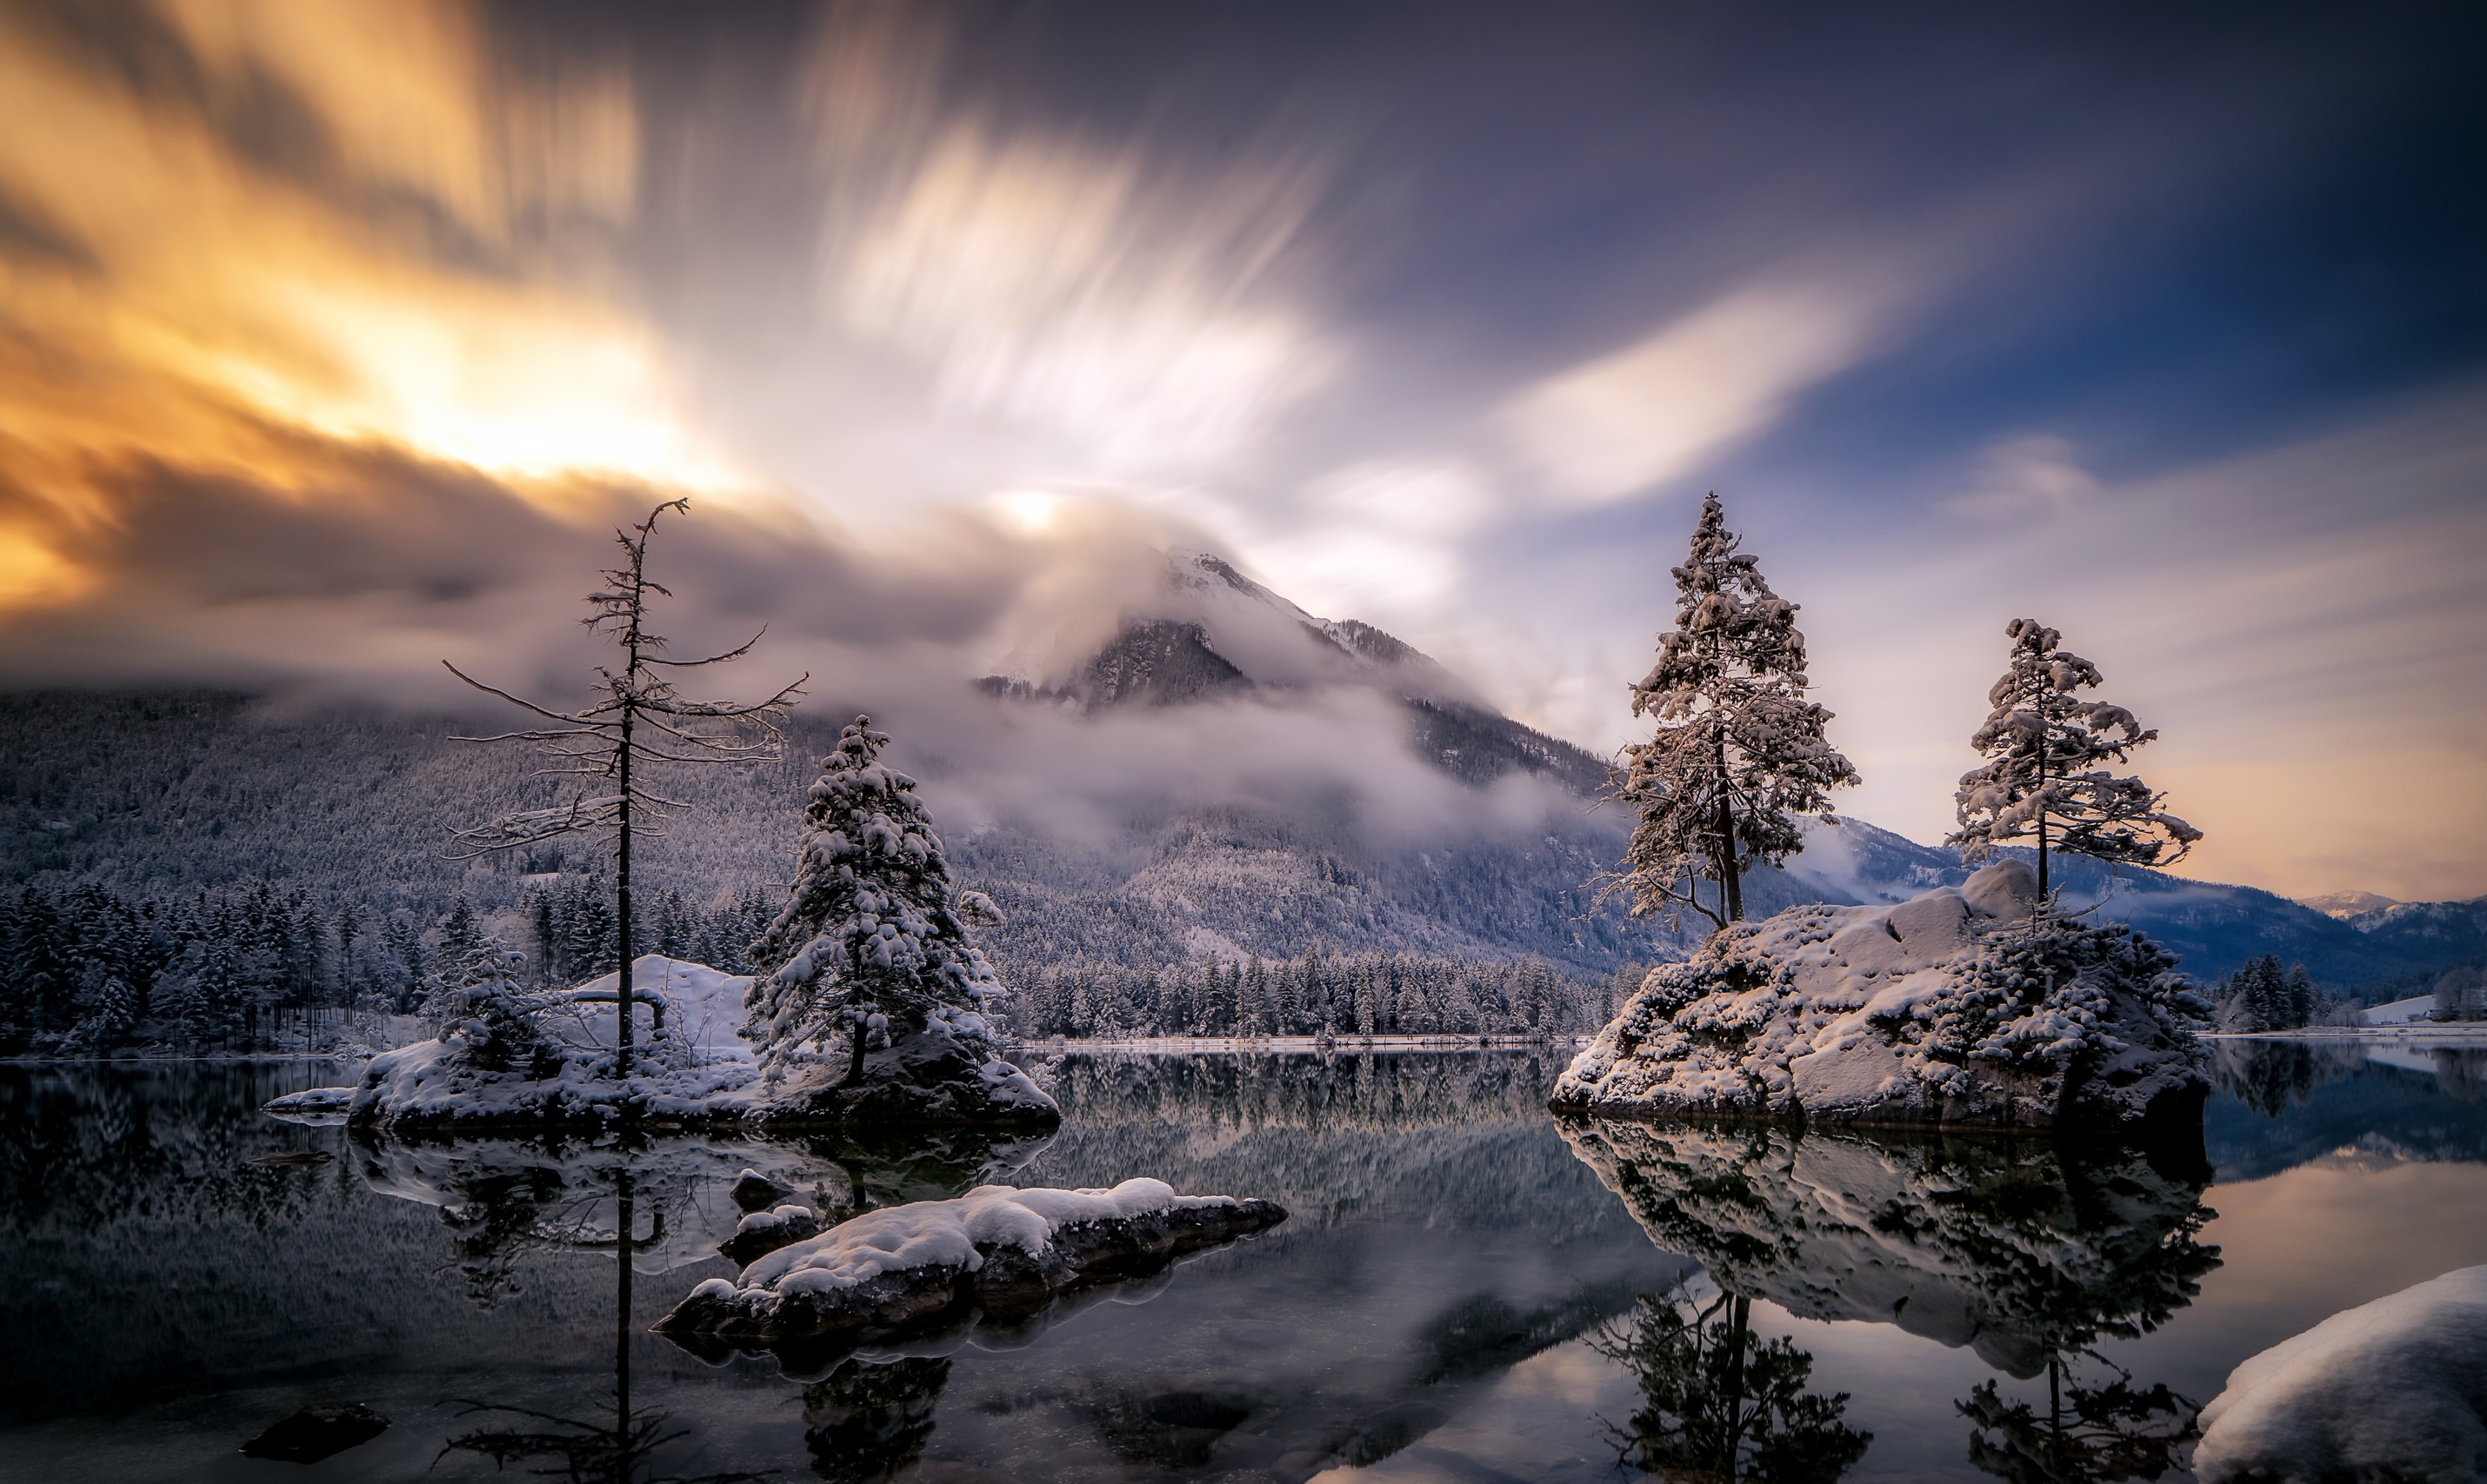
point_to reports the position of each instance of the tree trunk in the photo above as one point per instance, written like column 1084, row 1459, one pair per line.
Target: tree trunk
column 855, row 1059
column 1730, row 888
column 621, row 883
column 1739, row 1315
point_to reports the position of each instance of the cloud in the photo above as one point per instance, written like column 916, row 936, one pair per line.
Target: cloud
column 2025, row 478
column 1380, row 539
column 1138, row 314
column 1661, row 408
column 238, row 225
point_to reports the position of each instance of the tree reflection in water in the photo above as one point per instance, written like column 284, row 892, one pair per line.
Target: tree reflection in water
column 2026, row 1253
column 1718, row 1401
column 867, row 1422
column 2107, row 1432
column 658, row 1203
column 594, row 1452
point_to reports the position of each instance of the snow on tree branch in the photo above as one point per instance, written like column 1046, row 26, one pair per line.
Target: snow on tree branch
column 2042, row 777
column 1737, row 756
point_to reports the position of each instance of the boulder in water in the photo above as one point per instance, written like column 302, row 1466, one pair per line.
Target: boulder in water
column 764, row 1232
column 755, row 1192
column 2392, row 1390
column 1003, row 1250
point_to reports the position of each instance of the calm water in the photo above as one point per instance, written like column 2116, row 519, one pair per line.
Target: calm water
column 1466, row 1289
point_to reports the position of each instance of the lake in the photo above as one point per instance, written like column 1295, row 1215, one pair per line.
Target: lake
column 1465, row 1290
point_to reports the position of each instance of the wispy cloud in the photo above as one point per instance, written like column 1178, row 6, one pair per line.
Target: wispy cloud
column 2023, row 478
column 348, row 223
column 1136, row 310
column 1660, row 408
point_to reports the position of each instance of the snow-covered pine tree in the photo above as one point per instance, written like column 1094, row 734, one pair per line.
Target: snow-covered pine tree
column 872, row 945
column 488, row 1011
column 453, row 960
column 2043, row 746
column 1738, row 754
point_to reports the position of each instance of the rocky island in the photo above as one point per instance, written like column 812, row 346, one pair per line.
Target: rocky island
column 1964, row 1007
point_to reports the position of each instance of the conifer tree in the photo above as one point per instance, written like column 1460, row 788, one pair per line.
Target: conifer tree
column 2043, row 746
column 486, row 1010
column 873, row 944
column 1738, row 754
column 637, row 721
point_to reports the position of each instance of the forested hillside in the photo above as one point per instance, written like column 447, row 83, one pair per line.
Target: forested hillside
column 152, row 827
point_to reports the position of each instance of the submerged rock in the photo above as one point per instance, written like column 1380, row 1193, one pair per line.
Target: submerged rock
column 321, row 1430
column 755, row 1192
column 1007, row 1253
column 2392, row 1390
column 1957, row 1007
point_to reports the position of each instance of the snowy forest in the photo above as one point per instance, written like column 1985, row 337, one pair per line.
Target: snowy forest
column 255, row 968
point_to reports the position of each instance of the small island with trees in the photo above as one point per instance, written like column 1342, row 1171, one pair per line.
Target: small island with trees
column 1980, row 1005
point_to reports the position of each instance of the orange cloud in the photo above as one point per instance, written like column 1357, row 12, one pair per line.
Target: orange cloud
column 340, row 219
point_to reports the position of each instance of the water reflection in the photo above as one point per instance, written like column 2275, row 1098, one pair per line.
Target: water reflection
column 868, row 1422
column 1718, row 1401
column 2012, row 1248
column 505, row 1199
column 2026, row 1252
column 2097, row 1425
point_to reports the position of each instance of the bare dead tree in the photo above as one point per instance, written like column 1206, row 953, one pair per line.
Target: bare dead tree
column 637, row 721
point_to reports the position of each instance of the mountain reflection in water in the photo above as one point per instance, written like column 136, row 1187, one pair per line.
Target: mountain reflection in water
column 1464, row 1289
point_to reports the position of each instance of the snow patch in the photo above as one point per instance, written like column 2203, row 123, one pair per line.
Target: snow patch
column 2392, row 1390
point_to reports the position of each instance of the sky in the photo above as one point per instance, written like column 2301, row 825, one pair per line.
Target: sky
column 338, row 336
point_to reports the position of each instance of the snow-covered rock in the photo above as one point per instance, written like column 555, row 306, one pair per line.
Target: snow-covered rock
column 2396, row 1389
column 315, row 1106
column 2005, row 1247
column 998, row 1249
column 692, row 1064
column 762, row 1232
column 1954, row 1007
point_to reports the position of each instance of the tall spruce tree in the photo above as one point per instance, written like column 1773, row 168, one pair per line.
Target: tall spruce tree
column 873, row 944
column 637, row 721
column 1738, row 754
column 2043, row 746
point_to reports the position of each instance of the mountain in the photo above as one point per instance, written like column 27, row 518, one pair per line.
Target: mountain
column 1224, row 774
column 2346, row 904
column 1213, row 634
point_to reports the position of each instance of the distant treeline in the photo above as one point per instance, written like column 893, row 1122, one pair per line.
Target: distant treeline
column 253, row 967
column 1350, row 994
column 2262, row 996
